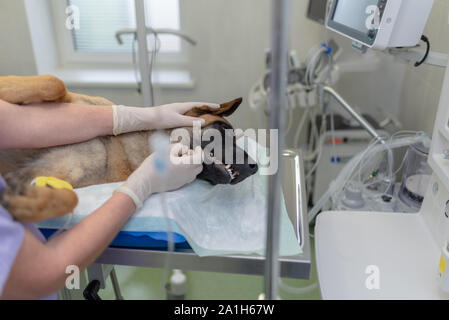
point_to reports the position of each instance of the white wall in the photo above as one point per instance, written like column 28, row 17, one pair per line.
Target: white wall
column 232, row 37
column 376, row 92
column 422, row 86
column 16, row 53
column 411, row 93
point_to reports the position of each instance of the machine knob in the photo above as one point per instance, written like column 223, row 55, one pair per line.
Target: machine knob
column 353, row 196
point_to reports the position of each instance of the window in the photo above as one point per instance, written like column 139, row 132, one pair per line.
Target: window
column 94, row 40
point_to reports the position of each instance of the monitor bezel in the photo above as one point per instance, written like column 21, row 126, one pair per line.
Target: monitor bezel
column 348, row 31
column 314, row 18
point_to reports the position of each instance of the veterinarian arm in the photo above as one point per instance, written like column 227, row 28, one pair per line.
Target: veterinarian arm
column 40, row 269
column 51, row 124
column 128, row 119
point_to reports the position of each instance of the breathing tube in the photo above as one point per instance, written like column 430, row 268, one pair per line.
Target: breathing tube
column 160, row 144
column 351, row 167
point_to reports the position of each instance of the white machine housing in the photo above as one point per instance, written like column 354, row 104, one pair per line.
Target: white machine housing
column 348, row 144
column 437, row 208
column 402, row 251
column 401, row 22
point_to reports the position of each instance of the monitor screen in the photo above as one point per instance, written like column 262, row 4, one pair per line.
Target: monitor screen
column 354, row 14
column 317, row 10
column 357, row 19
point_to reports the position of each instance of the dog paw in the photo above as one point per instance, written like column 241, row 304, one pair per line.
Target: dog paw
column 27, row 90
column 42, row 203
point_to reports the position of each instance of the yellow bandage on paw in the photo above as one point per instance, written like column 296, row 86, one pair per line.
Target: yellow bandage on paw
column 53, row 183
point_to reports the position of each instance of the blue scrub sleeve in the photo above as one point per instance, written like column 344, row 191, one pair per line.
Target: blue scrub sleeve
column 11, row 238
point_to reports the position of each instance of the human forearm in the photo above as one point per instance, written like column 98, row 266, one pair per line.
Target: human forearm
column 52, row 124
column 94, row 233
column 40, row 269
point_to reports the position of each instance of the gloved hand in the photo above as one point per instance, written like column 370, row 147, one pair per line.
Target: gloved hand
column 180, row 167
column 128, row 119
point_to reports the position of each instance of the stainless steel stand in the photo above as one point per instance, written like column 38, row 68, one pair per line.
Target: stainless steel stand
column 277, row 99
column 345, row 105
column 290, row 267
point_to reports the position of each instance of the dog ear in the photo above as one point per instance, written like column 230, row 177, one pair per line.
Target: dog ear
column 225, row 109
column 228, row 108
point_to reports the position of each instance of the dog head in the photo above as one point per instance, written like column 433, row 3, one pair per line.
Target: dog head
column 216, row 170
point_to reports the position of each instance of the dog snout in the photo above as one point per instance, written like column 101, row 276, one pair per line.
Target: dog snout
column 253, row 168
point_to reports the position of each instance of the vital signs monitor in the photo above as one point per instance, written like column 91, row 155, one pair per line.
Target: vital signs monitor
column 380, row 24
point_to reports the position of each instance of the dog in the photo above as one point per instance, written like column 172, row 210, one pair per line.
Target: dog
column 97, row 161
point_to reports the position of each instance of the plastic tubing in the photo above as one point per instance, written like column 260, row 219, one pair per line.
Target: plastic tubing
column 159, row 143
column 300, row 127
column 347, row 172
column 392, row 175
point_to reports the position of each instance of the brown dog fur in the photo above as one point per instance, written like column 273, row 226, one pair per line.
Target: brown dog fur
column 100, row 160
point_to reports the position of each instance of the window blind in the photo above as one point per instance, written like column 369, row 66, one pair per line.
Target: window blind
column 100, row 19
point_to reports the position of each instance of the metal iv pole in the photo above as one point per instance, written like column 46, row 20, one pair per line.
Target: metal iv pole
column 277, row 100
column 346, row 106
column 144, row 62
column 141, row 33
